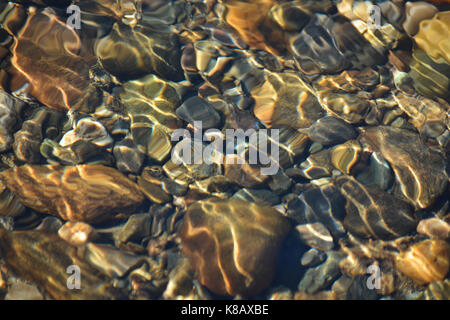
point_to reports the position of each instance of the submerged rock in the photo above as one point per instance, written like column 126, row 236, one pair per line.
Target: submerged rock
column 76, row 233
column 322, row 276
column 57, row 190
column 438, row 290
column 425, row 262
column 416, row 12
column 130, row 53
column 29, row 253
column 330, row 130
column 435, row 228
column 371, row 212
column 197, row 109
column 128, row 157
column 215, row 231
column 10, row 205
column 28, row 139
column 322, row 204
column 316, row 236
column 251, row 21
column 10, row 109
column 59, row 78
column 433, row 36
column 283, row 99
column 419, row 171
column 431, row 77
column 87, row 129
column 152, row 99
column 331, row 44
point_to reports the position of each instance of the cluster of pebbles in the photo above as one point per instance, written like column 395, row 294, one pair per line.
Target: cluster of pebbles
column 359, row 91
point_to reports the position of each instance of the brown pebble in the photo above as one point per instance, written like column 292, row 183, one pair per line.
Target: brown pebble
column 233, row 244
column 89, row 193
column 434, row 228
column 76, row 233
column 425, row 262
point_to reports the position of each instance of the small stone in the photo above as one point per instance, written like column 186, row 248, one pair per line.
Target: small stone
column 418, row 169
column 59, row 78
column 151, row 139
column 152, row 187
column 438, row 290
column 330, row 131
column 198, row 109
column 10, row 108
column 28, row 139
column 152, row 100
column 10, row 206
column 283, row 100
column 50, row 225
column 316, row 236
column 261, row 197
column 415, row 13
column 23, row 291
column 128, row 157
column 137, row 227
column 377, row 173
column 322, row 276
column 345, row 157
column 359, row 290
column 43, row 259
column 313, row 257
column 425, row 262
column 317, row 165
column 371, row 212
column 434, row 228
column 79, row 152
column 181, row 281
column 322, row 204
column 245, row 175
column 218, row 186
column 280, row 183
column 56, row 190
column 281, row 293
column 129, row 52
column 87, row 129
column 215, row 231
column 76, row 233
column 341, row 286
column 111, row 261
column 433, row 36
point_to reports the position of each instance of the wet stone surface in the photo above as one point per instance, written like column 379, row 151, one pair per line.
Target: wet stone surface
column 92, row 173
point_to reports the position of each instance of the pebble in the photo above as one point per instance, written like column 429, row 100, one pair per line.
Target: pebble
column 434, row 228
column 55, row 190
column 251, row 233
column 330, row 131
column 76, row 233
column 313, row 257
column 23, row 291
column 10, row 109
column 322, row 276
column 43, row 251
column 316, row 236
column 425, row 262
column 261, row 197
column 198, row 109
column 418, row 169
